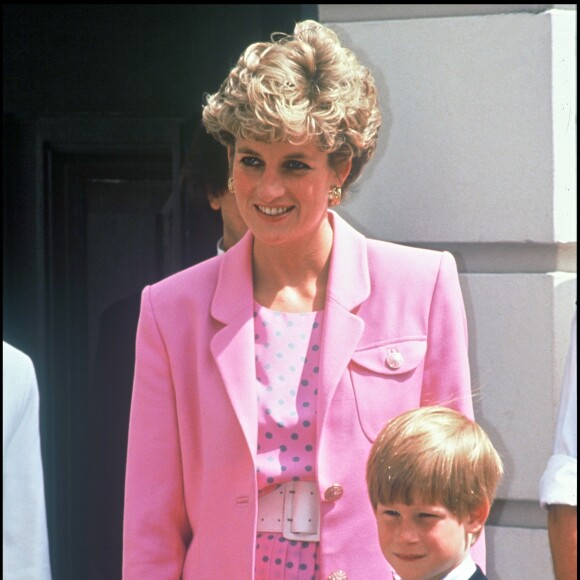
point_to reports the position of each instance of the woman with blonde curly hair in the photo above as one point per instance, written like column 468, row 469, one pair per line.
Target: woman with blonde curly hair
column 264, row 374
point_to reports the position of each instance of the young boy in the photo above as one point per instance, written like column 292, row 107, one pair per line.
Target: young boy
column 432, row 474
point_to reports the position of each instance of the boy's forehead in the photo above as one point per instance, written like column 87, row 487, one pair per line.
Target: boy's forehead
column 416, row 508
column 415, row 504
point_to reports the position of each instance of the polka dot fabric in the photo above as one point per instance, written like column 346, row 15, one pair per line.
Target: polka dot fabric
column 287, row 355
column 279, row 558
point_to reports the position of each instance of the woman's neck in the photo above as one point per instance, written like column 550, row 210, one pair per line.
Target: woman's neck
column 292, row 278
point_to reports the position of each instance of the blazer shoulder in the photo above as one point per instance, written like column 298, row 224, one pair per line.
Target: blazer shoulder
column 196, row 283
column 408, row 259
column 198, row 274
column 402, row 251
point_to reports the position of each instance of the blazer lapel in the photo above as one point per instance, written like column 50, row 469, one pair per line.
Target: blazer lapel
column 348, row 286
column 233, row 344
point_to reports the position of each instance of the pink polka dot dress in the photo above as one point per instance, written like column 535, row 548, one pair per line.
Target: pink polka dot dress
column 287, row 354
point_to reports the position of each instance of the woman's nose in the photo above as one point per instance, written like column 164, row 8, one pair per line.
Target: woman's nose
column 270, row 187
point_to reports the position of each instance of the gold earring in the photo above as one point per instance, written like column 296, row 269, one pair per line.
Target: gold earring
column 335, row 195
column 231, row 188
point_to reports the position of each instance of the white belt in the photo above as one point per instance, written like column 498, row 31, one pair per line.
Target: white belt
column 292, row 509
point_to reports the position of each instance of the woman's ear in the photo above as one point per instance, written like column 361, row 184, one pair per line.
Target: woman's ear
column 342, row 170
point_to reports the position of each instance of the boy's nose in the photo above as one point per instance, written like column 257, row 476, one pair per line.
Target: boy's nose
column 407, row 532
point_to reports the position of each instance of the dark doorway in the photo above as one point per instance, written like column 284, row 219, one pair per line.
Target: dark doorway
column 113, row 227
column 110, row 217
column 97, row 110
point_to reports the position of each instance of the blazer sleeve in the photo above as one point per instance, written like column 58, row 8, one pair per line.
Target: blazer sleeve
column 156, row 531
column 446, row 379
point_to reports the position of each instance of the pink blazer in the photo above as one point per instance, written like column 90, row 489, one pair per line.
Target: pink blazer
column 190, row 500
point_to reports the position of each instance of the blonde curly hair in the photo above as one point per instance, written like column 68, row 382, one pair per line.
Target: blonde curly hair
column 296, row 88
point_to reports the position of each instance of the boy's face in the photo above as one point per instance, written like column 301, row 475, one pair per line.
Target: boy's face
column 424, row 542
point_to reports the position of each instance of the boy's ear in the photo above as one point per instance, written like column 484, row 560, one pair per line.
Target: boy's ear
column 477, row 518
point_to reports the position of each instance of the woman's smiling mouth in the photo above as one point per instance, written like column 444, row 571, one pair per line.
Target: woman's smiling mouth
column 274, row 211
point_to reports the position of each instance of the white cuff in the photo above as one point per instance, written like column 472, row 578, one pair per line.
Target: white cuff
column 558, row 483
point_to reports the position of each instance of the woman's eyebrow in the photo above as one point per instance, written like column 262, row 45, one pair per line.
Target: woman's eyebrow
column 298, row 155
column 247, row 151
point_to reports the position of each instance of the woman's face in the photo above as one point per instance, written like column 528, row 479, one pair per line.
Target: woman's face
column 282, row 190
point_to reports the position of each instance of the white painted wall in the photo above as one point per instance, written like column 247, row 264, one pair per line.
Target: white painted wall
column 478, row 156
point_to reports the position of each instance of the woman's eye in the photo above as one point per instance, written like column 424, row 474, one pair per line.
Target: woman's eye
column 296, row 165
column 250, row 161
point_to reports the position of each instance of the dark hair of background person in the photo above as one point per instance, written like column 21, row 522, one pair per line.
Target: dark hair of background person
column 205, row 170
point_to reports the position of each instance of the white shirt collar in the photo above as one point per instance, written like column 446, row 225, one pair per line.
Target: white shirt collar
column 464, row 571
column 220, row 246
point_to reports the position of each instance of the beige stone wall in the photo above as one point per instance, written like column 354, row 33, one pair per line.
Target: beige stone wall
column 478, row 156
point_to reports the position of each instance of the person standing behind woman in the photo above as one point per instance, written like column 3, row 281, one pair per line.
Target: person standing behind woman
column 205, row 174
column 263, row 375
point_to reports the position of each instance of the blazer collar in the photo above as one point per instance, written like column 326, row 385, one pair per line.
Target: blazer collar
column 234, row 290
column 348, row 286
column 232, row 345
column 348, row 280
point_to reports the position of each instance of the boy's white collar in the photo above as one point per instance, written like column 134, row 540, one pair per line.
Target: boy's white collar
column 464, row 571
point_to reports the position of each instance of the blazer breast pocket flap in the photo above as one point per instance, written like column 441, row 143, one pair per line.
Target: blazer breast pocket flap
column 393, row 358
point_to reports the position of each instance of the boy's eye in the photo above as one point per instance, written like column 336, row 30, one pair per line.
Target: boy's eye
column 391, row 512
column 427, row 515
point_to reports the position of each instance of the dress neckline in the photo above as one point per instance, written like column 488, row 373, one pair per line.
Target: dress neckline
column 258, row 306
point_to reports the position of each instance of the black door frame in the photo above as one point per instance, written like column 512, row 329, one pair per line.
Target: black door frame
column 44, row 280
